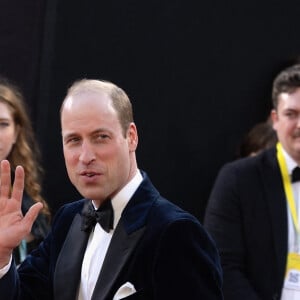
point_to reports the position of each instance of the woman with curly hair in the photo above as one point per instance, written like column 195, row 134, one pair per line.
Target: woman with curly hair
column 18, row 145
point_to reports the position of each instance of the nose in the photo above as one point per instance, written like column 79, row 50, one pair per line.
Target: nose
column 87, row 154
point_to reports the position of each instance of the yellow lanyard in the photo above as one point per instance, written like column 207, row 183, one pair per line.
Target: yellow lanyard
column 287, row 186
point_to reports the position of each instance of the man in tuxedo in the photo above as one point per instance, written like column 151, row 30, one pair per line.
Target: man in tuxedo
column 123, row 240
column 253, row 211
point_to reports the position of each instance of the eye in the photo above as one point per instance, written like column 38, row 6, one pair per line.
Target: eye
column 4, row 124
column 72, row 140
column 291, row 114
column 102, row 137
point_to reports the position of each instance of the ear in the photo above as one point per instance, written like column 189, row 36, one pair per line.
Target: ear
column 132, row 137
column 274, row 118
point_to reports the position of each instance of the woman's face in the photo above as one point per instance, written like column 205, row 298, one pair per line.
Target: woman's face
column 8, row 131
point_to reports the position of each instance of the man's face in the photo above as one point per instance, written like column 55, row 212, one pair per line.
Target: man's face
column 286, row 121
column 99, row 159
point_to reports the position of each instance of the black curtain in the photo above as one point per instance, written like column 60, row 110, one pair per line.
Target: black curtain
column 199, row 76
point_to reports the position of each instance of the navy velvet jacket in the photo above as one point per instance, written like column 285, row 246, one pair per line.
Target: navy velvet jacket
column 159, row 248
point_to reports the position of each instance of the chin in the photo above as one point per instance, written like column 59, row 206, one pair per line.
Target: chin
column 296, row 154
column 297, row 147
column 91, row 195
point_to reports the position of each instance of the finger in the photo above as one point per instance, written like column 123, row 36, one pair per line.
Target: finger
column 18, row 186
column 32, row 214
column 5, row 178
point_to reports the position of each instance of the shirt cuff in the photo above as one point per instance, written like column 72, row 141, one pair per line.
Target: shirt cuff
column 5, row 269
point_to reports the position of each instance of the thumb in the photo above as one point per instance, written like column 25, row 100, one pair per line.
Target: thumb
column 32, row 214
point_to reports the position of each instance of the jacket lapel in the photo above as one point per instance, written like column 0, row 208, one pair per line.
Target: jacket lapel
column 68, row 266
column 128, row 232
column 276, row 201
column 119, row 251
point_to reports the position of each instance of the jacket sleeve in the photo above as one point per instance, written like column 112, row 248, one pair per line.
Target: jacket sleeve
column 9, row 284
column 224, row 221
column 187, row 264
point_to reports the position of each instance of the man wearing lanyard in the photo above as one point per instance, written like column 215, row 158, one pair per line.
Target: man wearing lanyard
column 253, row 212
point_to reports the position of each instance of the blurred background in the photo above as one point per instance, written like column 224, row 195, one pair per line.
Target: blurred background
column 199, row 75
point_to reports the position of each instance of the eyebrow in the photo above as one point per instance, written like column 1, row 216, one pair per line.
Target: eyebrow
column 68, row 135
column 99, row 130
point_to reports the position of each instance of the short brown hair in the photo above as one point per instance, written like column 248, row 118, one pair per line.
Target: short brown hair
column 119, row 98
column 287, row 81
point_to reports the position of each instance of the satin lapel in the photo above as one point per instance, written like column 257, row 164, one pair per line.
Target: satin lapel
column 120, row 248
column 277, row 210
column 129, row 230
column 68, row 266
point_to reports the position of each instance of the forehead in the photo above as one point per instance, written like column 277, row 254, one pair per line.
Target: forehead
column 87, row 109
column 95, row 101
column 289, row 99
column 86, row 96
column 5, row 110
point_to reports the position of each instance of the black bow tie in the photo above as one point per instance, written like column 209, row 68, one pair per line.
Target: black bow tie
column 296, row 174
column 104, row 215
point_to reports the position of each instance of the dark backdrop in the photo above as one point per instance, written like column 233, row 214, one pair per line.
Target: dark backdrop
column 198, row 73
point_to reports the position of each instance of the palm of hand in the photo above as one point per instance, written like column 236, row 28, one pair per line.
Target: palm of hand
column 13, row 225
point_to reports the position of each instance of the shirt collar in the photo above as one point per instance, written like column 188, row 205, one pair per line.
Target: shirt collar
column 120, row 200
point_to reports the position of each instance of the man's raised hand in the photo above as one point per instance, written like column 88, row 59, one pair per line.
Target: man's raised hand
column 13, row 225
